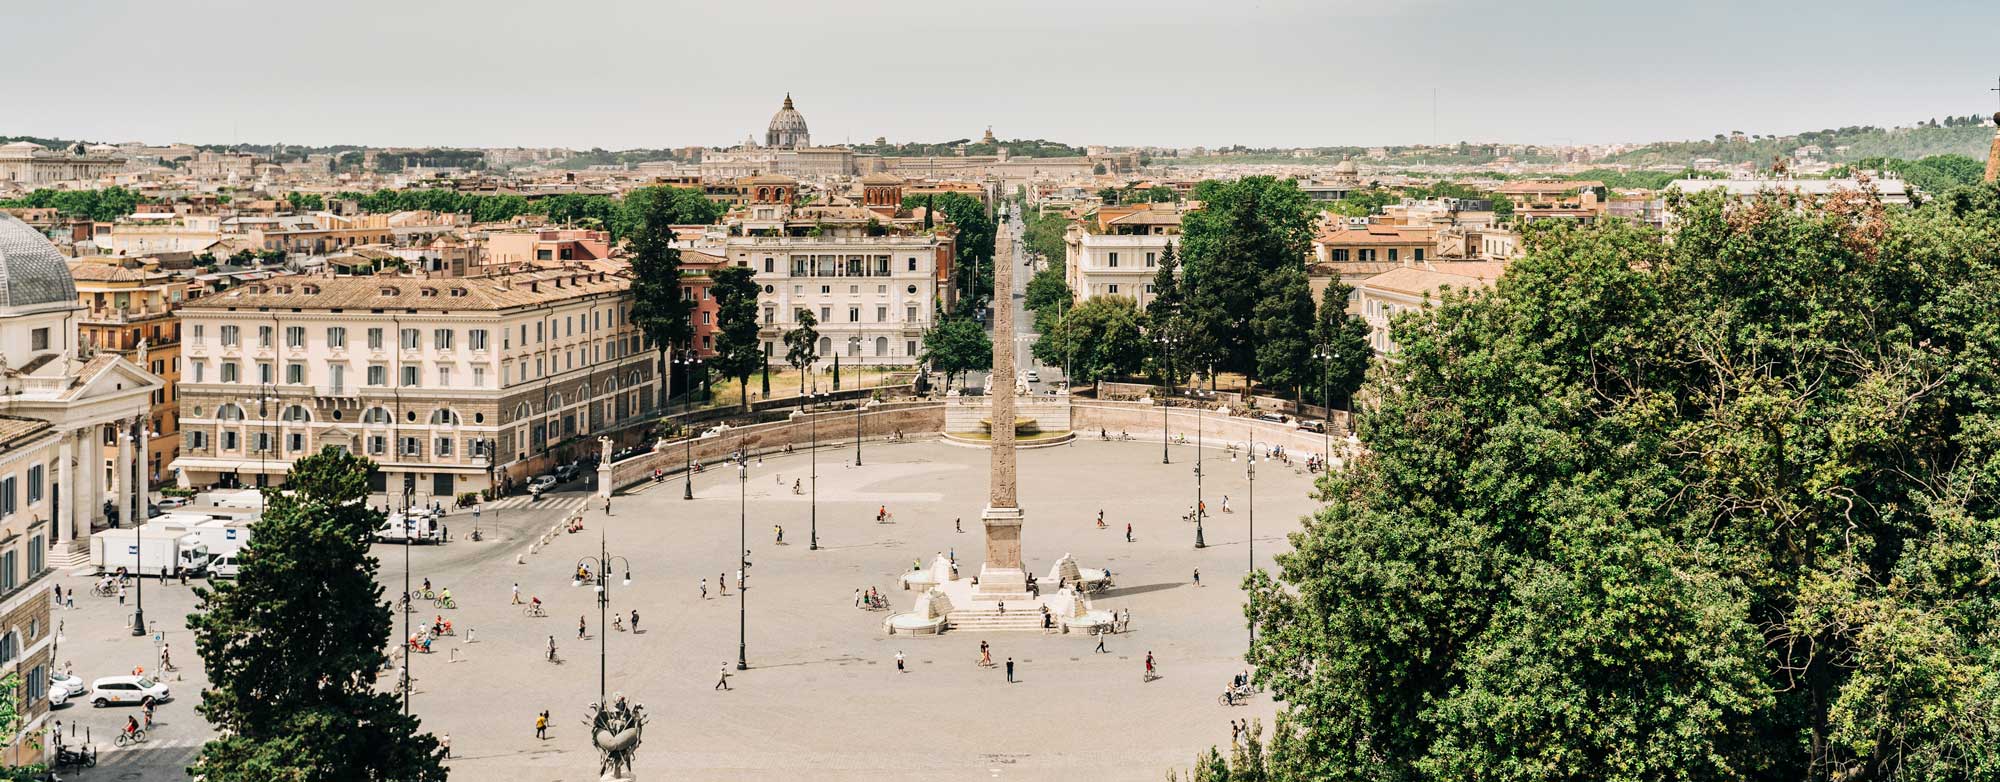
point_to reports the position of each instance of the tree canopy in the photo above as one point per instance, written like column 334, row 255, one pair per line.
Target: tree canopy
column 659, row 307
column 1104, row 337
column 737, row 350
column 294, row 644
column 104, row 205
column 802, row 346
column 1720, row 507
column 1246, row 232
column 957, row 345
column 972, row 267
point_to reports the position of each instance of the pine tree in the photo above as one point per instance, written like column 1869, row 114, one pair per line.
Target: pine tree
column 294, row 644
column 737, row 351
column 658, row 306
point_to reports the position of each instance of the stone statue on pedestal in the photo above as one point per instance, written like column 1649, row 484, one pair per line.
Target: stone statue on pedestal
column 615, row 731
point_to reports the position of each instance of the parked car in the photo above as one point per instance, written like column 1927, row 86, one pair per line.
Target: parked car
column 541, row 483
column 58, row 696
column 1272, row 417
column 70, row 685
column 170, row 503
column 1312, row 425
column 1034, row 376
column 566, row 473
column 135, row 690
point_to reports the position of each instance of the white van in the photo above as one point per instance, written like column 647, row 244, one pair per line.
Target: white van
column 225, row 566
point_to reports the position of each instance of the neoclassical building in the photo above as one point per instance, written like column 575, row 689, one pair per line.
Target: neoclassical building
column 60, row 403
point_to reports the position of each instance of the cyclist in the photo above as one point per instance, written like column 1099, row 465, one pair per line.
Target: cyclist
column 445, row 595
column 535, row 605
column 427, row 585
column 882, row 513
column 131, row 726
column 149, row 716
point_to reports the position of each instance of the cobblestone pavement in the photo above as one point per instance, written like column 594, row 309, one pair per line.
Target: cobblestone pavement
column 822, row 698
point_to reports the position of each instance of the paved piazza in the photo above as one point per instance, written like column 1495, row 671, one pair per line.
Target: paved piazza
column 823, row 699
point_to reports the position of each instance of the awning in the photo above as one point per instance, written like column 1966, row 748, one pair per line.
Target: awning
column 206, row 464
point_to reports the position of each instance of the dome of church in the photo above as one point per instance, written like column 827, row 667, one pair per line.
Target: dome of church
column 788, row 128
column 1346, row 167
column 32, row 274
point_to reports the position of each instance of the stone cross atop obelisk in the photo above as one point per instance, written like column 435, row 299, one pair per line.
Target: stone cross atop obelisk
column 1002, row 574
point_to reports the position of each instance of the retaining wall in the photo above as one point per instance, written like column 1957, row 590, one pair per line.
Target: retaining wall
column 1217, row 430
column 836, row 429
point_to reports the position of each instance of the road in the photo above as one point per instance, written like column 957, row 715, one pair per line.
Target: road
column 1008, row 248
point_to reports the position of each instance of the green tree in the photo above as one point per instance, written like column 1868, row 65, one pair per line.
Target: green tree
column 1048, row 294
column 972, row 266
column 1651, row 510
column 1164, row 317
column 659, row 308
column 957, row 345
column 1283, row 326
column 1102, row 337
column 802, row 346
column 1342, row 338
column 305, row 202
column 737, row 350
column 679, row 205
column 293, row 645
column 1246, row 231
column 1044, row 236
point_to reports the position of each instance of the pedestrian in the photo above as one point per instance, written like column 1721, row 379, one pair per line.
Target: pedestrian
column 542, row 725
column 517, row 593
column 635, row 620
column 59, row 601
column 1003, row 607
column 445, row 530
column 723, row 683
column 1128, row 532
column 722, row 583
column 121, row 593
column 607, row 506
column 781, row 533
column 857, row 597
column 899, row 661
column 579, row 627
column 184, row 577
column 739, row 574
column 1010, row 670
column 704, row 589
column 1197, row 576
column 552, row 648
column 1100, row 645
column 958, row 524
column 1235, row 732
column 445, row 744
column 1149, row 665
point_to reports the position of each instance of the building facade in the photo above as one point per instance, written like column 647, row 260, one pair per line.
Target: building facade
column 1121, row 256
column 32, row 164
column 59, row 403
column 452, row 386
column 134, row 313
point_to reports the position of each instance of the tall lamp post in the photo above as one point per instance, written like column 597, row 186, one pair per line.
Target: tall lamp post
column 126, row 441
column 1326, row 355
column 1166, row 394
column 409, row 607
column 1201, row 401
column 687, row 435
column 742, row 565
column 857, row 430
column 1251, row 466
column 600, row 567
column 812, row 399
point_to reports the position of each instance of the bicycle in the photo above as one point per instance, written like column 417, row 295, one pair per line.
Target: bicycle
column 535, row 610
column 104, row 590
column 886, row 518
column 427, row 595
column 130, row 737
column 445, row 602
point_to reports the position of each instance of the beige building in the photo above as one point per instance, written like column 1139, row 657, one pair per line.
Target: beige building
column 451, row 385
column 132, row 311
column 1118, row 253
column 59, row 403
column 32, row 164
column 1382, row 297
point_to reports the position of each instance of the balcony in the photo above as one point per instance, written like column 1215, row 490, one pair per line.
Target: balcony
column 124, row 315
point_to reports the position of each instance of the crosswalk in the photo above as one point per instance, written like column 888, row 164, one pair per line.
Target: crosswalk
column 158, row 753
column 546, row 503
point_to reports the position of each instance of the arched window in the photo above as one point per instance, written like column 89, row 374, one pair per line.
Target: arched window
column 296, row 413
column 378, row 416
column 10, row 647
column 555, row 402
column 522, row 411
column 582, row 391
column 229, row 412
column 634, row 380
column 610, row 384
column 825, row 347
column 444, row 417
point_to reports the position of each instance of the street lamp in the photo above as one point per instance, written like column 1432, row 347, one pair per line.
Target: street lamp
column 1250, row 464
column 812, row 399
column 409, row 530
column 857, row 430
column 1201, row 398
column 1326, row 355
column 601, row 581
column 1166, row 394
column 687, row 434
column 138, row 546
column 742, row 565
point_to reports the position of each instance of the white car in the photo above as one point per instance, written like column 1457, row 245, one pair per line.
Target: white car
column 170, row 503
column 137, row 690
column 542, row 483
column 1034, row 377
column 70, row 685
column 58, row 696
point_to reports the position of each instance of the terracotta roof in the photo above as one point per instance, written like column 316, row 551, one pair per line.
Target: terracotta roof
column 501, row 291
column 1545, row 186
column 92, row 271
column 13, row 429
column 1420, row 282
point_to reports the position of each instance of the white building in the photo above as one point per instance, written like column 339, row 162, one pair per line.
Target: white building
column 1119, row 254
column 450, row 384
column 59, row 404
column 33, row 164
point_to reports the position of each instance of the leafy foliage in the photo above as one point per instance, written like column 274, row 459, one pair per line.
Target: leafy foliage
column 1048, row 295
column 1044, row 235
column 104, row 205
column 957, row 345
column 1342, row 338
column 1957, row 136
column 684, row 206
column 802, row 345
column 1934, row 175
column 1721, row 507
column 1244, row 234
column 294, row 644
column 659, row 308
column 972, row 269
column 1104, row 337
column 737, row 350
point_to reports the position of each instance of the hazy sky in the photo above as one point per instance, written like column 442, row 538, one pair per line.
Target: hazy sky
column 662, row 73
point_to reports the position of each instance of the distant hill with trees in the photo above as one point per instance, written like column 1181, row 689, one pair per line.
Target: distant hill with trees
column 1949, row 136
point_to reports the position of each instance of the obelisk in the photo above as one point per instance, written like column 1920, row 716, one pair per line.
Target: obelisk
column 1002, row 575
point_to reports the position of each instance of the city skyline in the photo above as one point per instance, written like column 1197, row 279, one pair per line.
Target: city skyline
column 1282, row 74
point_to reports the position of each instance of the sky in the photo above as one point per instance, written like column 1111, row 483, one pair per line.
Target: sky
column 668, row 73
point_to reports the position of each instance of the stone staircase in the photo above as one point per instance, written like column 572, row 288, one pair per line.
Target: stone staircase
column 1024, row 614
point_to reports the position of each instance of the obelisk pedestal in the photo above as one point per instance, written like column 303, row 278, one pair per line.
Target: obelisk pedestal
column 1002, row 576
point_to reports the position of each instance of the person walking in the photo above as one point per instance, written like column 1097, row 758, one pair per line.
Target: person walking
column 704, row 588
column 899, row 661
column 579, row 627
column 857, row 597
column 1149, row 665
column 722, row 583
column 780, row 529
column 1128, row 532
column 445, row 744
column 635, row 620
column 1197, row 576
column 552, row 648
column 1010, row 670
column 723, row 683
column 958, row 524
column 121, row 593
column 1100, row 645
column 517, row 593
column 985, row 655
column 542, row 726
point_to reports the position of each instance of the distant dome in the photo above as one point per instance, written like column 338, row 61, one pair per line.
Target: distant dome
column 1346, row 167
column 32, row 274
column 788, row 128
